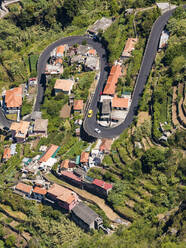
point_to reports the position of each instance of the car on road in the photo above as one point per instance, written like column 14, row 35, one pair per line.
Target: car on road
column 90, row 113
column 97, row 130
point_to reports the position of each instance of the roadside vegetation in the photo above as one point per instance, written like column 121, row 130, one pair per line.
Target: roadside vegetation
column 148, row 179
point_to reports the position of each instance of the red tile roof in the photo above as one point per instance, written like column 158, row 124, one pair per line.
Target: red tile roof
column 78, row 104
column 23, row 187
column 13, row 97
column 129, row 47
column 84, row 157
column 120, row 102
column 52, row 149
column 102, row 184
column 40, row 191
column 70, row 175
column 7, row 154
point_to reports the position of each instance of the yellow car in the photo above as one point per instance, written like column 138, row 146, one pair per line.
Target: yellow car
column 90, row 112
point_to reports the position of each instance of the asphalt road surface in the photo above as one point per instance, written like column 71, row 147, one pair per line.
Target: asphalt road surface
column 4, row 122
column 90, row 123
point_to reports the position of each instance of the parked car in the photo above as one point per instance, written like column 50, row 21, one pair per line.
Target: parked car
column 90, row 113
column 97, row 130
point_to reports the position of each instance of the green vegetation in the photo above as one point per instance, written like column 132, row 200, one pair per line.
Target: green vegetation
column 82, row 88
column 26, row 107
column 33, row 58
column 148, row 180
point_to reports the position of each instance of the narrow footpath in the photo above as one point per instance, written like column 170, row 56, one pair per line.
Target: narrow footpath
column 89, row 197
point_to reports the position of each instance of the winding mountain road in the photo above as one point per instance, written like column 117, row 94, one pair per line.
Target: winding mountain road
column 150, row 52
column 90, row 123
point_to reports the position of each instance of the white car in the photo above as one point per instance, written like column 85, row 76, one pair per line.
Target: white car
column 97, row 130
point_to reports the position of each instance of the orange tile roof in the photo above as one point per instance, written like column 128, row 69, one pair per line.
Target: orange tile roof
column 92, row 51
column 65, row 164
column 62, row 193
column 58, row 60
column 24, row 187
column 120, row 102
column 21, row 128
column 106, row 145
column 109, row 89
column 84, row 157
column 67, row 197
column 64, row 84
column 38, row 190
column 116, row 69
column 129, row 46
column 112, row 79
column 60, row 49
column 78, row 104
column 7, row 154
column 52, row 149
column 13, row 97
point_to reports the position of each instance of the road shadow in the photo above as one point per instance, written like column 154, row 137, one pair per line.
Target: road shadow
column 85, row 137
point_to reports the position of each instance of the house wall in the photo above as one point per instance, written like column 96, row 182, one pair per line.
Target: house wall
column 51, row 197
column 119, row 108
column 81, row 223
column 38, row 196
column 26, row 194
column 20, row 140
column 92, row 188
column 43, row 133
column 71, row 181
column 66, row 205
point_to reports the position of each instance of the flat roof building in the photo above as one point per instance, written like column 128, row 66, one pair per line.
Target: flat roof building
column 101, row 24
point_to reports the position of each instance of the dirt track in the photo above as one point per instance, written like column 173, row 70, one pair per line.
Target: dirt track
column 89, row 197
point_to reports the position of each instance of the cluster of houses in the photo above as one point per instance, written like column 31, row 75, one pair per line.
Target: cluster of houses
column 113, row 109
column 82, row 56
column 55, row 62
column 62, row 198
column 75, row 171
column 23, row 129
column 41, row 162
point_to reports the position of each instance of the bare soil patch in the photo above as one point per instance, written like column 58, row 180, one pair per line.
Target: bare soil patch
column 65, row 111
column 143, row 116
